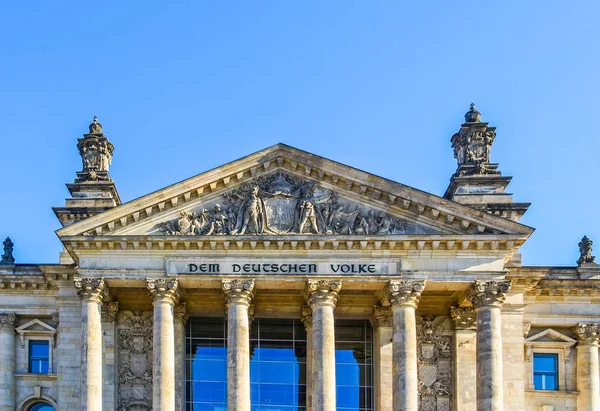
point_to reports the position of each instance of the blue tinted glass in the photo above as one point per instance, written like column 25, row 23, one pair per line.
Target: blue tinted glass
column 545, row 362
column 550, row 382
column 347, row 374
column 348, row 397
column 38, row 349
column 209, row 370
column 545, row 371
column 41, row 407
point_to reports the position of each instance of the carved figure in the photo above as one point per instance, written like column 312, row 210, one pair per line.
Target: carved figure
column 361, row 225
column 253, row 215
column 585, row 251
column 218, row 222
column 7, row 257
column 308, row 215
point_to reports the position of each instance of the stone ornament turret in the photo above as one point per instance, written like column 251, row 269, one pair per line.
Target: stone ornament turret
column 96, row 154
column 587, row 334
column 91, row 289
column 401, row 293
column 489, row 294
column 585, row 252
column 7, row 256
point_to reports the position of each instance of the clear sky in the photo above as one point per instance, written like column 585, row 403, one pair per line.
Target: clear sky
column 185, row 86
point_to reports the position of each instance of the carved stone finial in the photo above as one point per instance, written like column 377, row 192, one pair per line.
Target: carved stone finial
column 7, row 257
column 472, row 116
column 96, row 154
column 163, row 290
column 489, row 294
column 381, row 316
column 587, row 334
column 95, row 126
column 463, row 318
column 404, row 293
column 323, row 292
column 306, row 317
column 8, row 322
column 91, row 289
column 110, row 311
column 585, row 251
column 238, row 291
column 181, row 312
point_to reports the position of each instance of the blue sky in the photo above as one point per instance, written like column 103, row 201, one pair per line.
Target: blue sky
column 182, row 87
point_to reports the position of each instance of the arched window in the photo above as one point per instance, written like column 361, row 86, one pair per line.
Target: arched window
column 41, row 406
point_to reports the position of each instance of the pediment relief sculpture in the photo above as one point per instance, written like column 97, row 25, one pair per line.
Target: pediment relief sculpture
column 280, row 204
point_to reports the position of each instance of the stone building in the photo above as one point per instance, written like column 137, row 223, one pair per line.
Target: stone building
column 286, row 281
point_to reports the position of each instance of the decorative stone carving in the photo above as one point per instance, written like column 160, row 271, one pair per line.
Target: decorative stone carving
column 109, row 311
column 91, row 289
column 181, row 312
column 381, row 317
column 306, row 317
column 587, row 334
column 526, row 329
column 279, row 204
column 135, row 361
column 8, row 322
column 238, row 291
column 163, row 289
column 56, row 319
column 463, row 318
column 323, row 292
column 7, row 256
column 489, row 294
column 96, row 154
column 434, row 344
column 404, row 292
column 585, row 252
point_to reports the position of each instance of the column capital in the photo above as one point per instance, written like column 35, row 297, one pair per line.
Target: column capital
column 488, row 293
column 306, row 317
column 8, row 322
column 463, row 318
column 163, row 290
column 381, row 316
column 404, row 293
column 181, row 312
column 109, row 311
column 587, row 334
column 238, row 291
column 91, row 289
column 323, row 292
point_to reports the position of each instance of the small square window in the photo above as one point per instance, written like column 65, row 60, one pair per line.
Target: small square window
column 39, row 356
column 545, row 371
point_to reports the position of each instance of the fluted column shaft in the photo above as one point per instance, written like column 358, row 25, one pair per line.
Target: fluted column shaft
column 238, row 294
column 307, row 320
column 7, row 361
column 322, row 296
column 92, row 291
column 488, row 298
column 404, row 296
column 165, row 294
column 588, row 376
column 383, row 354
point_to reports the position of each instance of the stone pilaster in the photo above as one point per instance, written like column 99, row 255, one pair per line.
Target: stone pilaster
column 109, row 372
column 488, row 298
column 238, row 294
column 92, row 292
column 404, row 296
column 181, row 318
column 588, row 384
column 7, row 361
column 307, row 320
column 383, row 354
column 165, row 294
column 464, row 358
column 322, row 296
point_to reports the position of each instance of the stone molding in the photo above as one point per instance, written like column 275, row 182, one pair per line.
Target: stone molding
column 110, row 311
column 91, row 289
column 163, row 290
column 238, row 291
column 181, row 312
column 323, row 292
column 381, row 317
column 306, row 317
column 489, row 294
column 587, row 334
column 463, row 318
column 8, row 322
column 404, row 293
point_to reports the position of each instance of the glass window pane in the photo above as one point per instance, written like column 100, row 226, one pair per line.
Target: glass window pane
column 545, row 362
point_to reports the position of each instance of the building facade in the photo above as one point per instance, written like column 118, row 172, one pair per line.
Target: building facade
column 285, row 281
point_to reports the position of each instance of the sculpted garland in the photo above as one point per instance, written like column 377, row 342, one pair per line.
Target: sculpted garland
column 281, row 204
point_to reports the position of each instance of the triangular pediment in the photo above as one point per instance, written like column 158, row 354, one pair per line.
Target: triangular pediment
column 550, row 336
column 285, row 191
column 35, row 326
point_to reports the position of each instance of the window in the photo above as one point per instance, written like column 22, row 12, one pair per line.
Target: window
column 39, row 356
column 545, row 371
column 41, row 406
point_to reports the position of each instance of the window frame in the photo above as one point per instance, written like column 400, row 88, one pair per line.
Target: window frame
column 544, row 373
column 30, row 359
column 43, row 332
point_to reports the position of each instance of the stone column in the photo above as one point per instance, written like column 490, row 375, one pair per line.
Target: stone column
column 181, row 318
column 404, row 296
column 91, row 292
column 307, row 320
column 322, row 296
column 464, row 358
column 488, row 297
column 109, row 372
column 165, row 295
column 238, row 294
column 7, row 361
column 588, row 378
column 383, row 354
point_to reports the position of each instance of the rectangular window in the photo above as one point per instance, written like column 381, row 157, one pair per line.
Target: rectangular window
column 545, row 371
column 39, row 354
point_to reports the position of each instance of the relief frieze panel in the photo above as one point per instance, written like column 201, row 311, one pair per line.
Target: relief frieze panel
column 281, row 204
